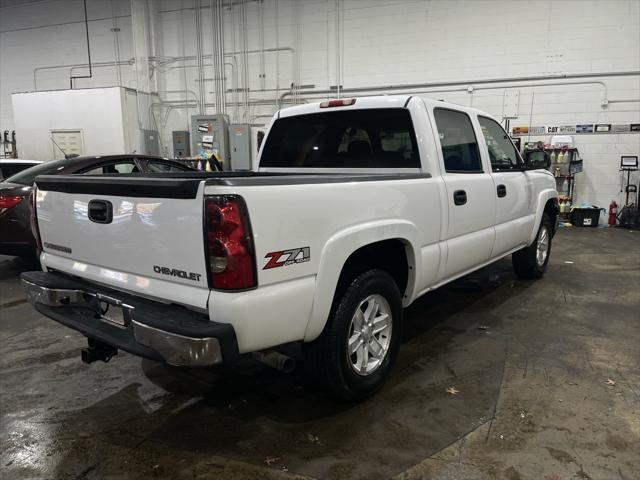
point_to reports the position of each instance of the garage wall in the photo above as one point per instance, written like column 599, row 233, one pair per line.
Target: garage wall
column 50, row 36
column 376, row 43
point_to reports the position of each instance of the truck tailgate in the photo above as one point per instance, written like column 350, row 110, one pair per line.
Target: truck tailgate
column 134, row 233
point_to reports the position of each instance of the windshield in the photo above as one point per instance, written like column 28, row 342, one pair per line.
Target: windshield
column 364, row 138
column 28, row 176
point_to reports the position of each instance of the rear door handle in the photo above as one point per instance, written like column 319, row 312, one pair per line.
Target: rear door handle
column 502, row 191
column 459, row 197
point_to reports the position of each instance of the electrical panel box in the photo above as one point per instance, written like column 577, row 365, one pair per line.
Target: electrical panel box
column 181, row 144
column 510, row 103
column 210, row 135
column 150, row 142
column 240, row 146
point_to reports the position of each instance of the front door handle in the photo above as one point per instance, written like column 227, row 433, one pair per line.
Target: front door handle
column 502, row 191
column 459, row 197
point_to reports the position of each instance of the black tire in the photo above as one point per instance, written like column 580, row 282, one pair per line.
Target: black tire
column 525, row 261
column 327, row 365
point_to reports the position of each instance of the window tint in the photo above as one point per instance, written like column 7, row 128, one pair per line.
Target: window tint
column 459, row 144
column 7, row 171
column 502, row 153
column 365, row 138
column 163, row 167
column 114, row 167
column 28, row 176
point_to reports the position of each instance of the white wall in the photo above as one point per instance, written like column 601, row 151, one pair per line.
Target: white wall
column 52, row 33
column 40, row 112
column 381, row 43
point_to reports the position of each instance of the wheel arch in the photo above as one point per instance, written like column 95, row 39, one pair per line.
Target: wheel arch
column 356, row 249
column 547, row 203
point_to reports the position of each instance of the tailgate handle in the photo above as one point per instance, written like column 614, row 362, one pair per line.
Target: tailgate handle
column 100, row 211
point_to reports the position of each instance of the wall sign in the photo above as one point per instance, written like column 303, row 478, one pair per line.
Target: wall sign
column 620, row 128
column 575, row 129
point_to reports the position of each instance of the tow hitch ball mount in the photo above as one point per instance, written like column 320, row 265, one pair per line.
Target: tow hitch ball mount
column 97, row 350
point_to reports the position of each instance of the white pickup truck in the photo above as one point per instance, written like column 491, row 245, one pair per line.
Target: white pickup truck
column 359, row 207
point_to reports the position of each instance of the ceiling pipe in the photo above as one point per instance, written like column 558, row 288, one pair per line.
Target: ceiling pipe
column 214, row 55
column 229, row 4
column 244, row 42
column 631, row 100
column 86, row 27
column 75, row 65
column 466, row 83
column 195, row 95
column 115, row 29
column 261, row 41
column 250, row 52
column 221, row 62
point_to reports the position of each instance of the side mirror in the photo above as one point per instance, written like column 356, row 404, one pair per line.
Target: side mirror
column 537, row 160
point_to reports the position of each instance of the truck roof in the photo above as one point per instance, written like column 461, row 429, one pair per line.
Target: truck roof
column 378, row 101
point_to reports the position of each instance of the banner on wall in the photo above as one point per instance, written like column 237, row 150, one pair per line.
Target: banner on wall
column 587, row 128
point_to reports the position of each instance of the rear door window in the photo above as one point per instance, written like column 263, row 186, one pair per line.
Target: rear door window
column 364, row 138
column 119, row 167
column 156, row 166
column 458, row 141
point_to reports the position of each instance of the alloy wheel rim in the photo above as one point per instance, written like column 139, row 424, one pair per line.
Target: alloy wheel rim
column 542, row 249
column 369, row 335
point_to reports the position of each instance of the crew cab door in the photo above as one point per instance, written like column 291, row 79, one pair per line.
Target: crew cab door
column 470, row 193
column 512, row 188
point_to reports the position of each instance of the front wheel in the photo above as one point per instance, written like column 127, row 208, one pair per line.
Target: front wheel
column 531, row 261
column 357, row 349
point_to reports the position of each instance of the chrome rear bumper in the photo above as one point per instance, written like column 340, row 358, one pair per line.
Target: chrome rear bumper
column 83, row 310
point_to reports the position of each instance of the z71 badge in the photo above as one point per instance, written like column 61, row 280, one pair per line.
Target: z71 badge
column 287, row 257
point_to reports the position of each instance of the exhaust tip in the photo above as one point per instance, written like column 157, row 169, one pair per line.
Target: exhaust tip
column 276, row 360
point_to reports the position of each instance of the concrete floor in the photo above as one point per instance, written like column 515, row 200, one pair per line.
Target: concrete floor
column 530, row 360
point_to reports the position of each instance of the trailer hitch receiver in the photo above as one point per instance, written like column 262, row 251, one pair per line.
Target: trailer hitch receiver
column 97, row 350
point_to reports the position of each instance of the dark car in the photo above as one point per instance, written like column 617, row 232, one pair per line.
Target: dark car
column 10, row 167
column 15, row 212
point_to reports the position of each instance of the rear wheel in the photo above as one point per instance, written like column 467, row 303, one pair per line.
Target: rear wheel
column 531, row 261
column 357, row 349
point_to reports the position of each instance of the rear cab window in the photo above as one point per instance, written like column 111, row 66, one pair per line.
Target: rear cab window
column 362, row 138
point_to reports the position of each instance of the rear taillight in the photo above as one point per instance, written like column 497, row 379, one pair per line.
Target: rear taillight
column 7, row 203
column 33, row 221
column 338, row 103
column 230, row 255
